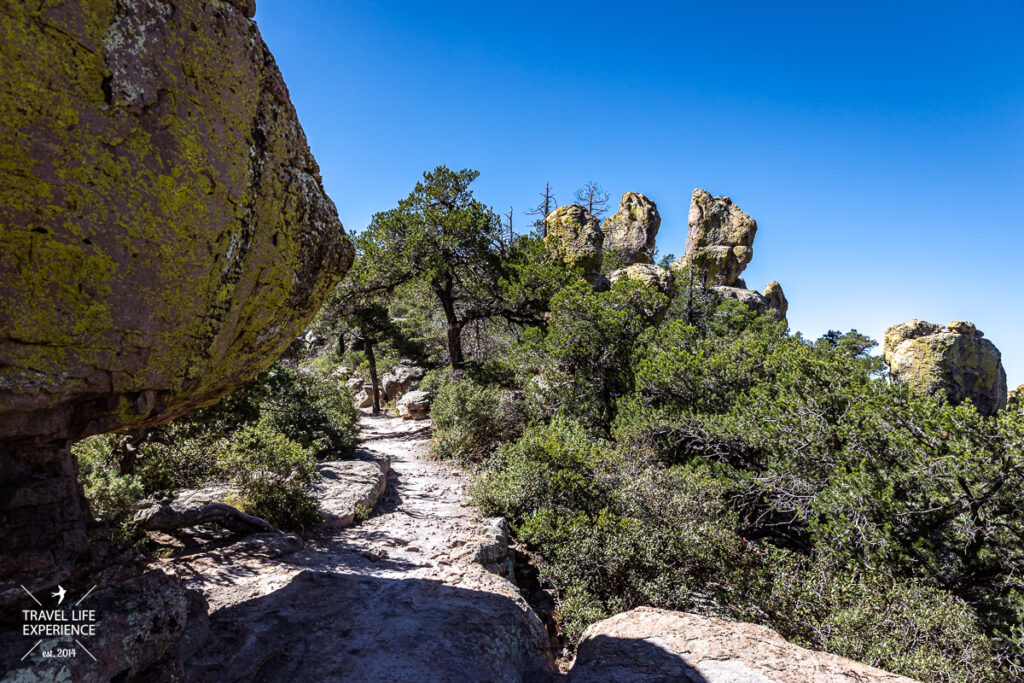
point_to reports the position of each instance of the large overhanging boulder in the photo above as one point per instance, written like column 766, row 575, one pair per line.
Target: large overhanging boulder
column 955, row 362
column 164, row 235
column 631, row 231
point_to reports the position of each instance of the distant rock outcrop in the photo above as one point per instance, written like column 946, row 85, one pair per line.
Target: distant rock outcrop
column 721, row 239
column 955, row 362
column 578, row 237
column 165, row 236
column 773, row 299
column 647, row 644
column 1015, row 398
column 718, row 248
column 631, row 232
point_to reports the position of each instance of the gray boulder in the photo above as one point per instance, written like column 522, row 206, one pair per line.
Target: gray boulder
column 399, row 380
column 773, row 298
column 415, row 405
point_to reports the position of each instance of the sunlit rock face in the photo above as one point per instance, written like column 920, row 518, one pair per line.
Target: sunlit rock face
column 955, row 362
column 719, row 246
column 577, row 236
column 720, row 243
column 164, row 235
column 632, row 230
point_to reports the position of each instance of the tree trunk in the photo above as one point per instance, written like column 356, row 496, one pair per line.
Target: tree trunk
column 371, row 359
column 127, row 451
column 454, row 329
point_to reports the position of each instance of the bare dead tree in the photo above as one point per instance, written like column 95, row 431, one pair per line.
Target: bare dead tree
column 544, row 208
column 509, row 225
column 594, row 198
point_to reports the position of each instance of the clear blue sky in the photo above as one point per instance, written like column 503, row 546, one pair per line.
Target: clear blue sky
column 879, row 145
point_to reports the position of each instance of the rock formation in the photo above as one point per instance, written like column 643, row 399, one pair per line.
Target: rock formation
column 721, row 239
column 577, row 235
column 631, row 232
column 415, row 405
column 165, row 235
column 773, row 299
column 656, row 276
column 955, row 362
column 776, row 299
column 399, row 380
column 1015, row 398
column 647, row 644
column 718, row 248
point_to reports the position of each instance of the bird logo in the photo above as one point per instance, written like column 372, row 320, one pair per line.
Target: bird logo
column 59, row 594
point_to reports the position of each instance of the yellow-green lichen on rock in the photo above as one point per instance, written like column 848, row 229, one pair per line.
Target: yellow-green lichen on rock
column 577, row 236
column 164, row 235
column 720, row 243
column 162, row 223
column 631, row 231
column 955, row 362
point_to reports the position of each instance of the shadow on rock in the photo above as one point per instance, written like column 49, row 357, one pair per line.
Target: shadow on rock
column 326, row 626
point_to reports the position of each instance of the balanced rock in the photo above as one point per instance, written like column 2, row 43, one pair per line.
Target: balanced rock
column 721, row 240
column 631, row 232
column 955, row 362
column 577, row 235
column 164, row 235
column 647, row 644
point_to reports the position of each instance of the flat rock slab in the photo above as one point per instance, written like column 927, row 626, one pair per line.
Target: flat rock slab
column 332, row 626
column 405, row 595
column 346, row 485
column 648, row 644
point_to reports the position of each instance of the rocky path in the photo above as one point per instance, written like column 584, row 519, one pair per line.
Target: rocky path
column 411, row 593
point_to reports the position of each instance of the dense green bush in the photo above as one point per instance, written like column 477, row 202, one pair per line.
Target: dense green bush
column 750, row 472
column 112, row 496
column 272, row 472
column 264, row 438
column 470, row 419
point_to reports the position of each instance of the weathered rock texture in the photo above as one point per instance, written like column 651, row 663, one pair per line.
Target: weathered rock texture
column 773, row 298
column 163, row 236
column 345, row 486
column 647, row 644
column 721, row 239
column 578, row 236
column 1015, row 398
column 631, row 232
column 415, row 405
column 718, row 249
column 399, row 380
column 955, row 362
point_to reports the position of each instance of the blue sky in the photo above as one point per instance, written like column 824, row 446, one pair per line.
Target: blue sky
column 879, row 145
